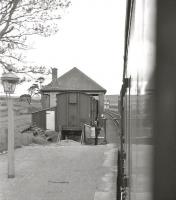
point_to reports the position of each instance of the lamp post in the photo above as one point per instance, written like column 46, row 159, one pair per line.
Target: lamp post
column 9, row 81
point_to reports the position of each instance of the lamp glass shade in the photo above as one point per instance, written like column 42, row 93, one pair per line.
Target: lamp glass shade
column 9, row 87
column 9, row 81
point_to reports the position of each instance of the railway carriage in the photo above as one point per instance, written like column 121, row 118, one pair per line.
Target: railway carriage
column 75, row 109
column 146, row 159
column 136, row 152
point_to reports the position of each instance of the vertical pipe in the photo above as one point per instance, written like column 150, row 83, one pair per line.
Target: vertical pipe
column 104, row 120
column 129, row 135
column 11, row 164
column 78, row 109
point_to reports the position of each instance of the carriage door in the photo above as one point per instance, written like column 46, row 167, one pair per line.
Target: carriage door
column 73, row 109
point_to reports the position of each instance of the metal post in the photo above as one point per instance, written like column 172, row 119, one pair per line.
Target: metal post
column 11, row 164
column 104, row 127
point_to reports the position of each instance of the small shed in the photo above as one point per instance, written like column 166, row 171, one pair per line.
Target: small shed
column 73, row 96
column 72, row 81
column 45, row 118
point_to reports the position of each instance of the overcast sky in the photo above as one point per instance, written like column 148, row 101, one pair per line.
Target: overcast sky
column 91, row 38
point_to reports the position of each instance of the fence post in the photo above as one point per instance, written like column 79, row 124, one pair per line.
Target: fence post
column 83, row 135
column 59, row 134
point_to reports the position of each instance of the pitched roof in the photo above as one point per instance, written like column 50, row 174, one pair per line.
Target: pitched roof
column 74, row 80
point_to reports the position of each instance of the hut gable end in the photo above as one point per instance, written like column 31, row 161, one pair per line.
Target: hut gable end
column 73, row 80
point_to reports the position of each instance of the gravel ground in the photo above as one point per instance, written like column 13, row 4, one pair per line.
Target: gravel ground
column 69, row 171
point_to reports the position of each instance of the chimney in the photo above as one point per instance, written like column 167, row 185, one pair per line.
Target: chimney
column 54, row 74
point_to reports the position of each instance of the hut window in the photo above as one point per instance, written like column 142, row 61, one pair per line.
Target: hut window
column 72, row 98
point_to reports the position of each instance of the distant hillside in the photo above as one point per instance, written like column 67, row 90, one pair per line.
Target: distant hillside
column 22, row 119
column 21, row 105
column 21, row 110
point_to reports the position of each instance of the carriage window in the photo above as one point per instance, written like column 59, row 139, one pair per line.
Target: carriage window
column 72, row 98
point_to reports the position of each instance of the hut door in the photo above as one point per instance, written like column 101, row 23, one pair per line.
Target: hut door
column 45, row 101
column 84, row 108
